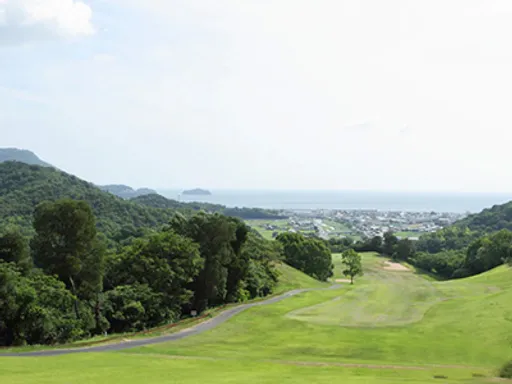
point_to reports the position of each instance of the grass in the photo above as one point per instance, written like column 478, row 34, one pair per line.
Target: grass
column 390, row 327
column 149, row 369
column 290, row 278
column 387, row 299
column 464, row 322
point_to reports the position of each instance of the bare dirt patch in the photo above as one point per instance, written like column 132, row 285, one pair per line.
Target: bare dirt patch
column 342, row 280
column 391, row 266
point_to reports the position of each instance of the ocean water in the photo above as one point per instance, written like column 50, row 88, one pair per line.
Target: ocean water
column 348, row 200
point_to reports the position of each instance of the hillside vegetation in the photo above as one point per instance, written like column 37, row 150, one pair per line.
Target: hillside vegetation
column 125, row 191
column 489, row 220
column 23, row 187
column 157, row 201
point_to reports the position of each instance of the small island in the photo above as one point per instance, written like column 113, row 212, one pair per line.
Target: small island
column 197, row 192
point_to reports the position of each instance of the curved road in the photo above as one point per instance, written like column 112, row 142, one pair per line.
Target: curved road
column 201, row 327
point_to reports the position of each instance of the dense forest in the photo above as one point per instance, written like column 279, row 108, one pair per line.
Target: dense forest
column 23, row 187
column 76, row 261
column 64, row 284
column 490, row 220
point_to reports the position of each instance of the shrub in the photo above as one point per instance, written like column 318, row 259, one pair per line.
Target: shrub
column 506, row 370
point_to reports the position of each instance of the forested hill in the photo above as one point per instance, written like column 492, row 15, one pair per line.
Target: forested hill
column 155, row 200
column 489, row 220
column 125, row 191
column 158, row 201
column 23, row 187
column 21, row 155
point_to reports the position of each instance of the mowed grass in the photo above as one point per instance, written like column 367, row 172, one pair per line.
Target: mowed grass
column 290, row 278
column 151, row 369
column 381, row 298
column 466, row 322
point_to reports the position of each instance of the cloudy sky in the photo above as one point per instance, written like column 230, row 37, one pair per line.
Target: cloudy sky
column 267, row 94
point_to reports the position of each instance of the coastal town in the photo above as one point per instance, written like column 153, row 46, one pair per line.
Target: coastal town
column 357, row 223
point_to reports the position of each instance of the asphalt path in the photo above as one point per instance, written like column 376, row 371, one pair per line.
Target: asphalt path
column 196, row 329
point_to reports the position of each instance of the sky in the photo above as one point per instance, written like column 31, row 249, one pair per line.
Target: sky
column 271, row 94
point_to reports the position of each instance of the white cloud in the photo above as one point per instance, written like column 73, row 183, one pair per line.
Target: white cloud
column 22, row 21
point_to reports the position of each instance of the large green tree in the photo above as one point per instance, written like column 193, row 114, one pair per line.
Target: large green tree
column 35, row 309
column 404, row 250
column 352, row 262
column 216, row 235
column 310, row 255
column 489, row 252
column 165, row 262
column 390, row 241
column 66, row 244
column 14, row 248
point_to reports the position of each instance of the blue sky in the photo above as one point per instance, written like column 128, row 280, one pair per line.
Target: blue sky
column 281, row 94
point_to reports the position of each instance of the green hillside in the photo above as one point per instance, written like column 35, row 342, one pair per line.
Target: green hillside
column 291, row 278
column 157, row 201
column 23, row 186
column 125, row 191
column 21, row 155
column 490, row 219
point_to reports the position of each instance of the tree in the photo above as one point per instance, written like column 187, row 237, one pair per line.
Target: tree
column 14, row 248
column 352, row 261
column 404, row 250
column 309, row 255
column 216, row 236
column 165, row 262
column 135, row 307
column 390, row 241
column 489, row 252
column 66, row 245
column 35, row 309
column 375, row 244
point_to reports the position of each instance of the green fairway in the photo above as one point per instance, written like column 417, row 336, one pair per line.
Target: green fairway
column 382, row 298
column 150, row 369
column 465, row 322
column 392, row 326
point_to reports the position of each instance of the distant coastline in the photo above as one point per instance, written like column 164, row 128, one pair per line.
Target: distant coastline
column 347, row 200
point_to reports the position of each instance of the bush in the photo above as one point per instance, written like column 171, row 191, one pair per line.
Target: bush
column 506, row 370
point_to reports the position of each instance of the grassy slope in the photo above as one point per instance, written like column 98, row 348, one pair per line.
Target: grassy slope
column 383, row 299
column 470, row 328
column 290, row 278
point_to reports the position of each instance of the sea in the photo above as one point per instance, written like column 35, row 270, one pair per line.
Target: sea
column 348, row 200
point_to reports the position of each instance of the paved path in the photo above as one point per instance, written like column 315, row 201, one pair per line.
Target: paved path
column 201, row 327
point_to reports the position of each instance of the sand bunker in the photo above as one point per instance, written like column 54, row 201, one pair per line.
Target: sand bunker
column 391, row 266
column 342, row 280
